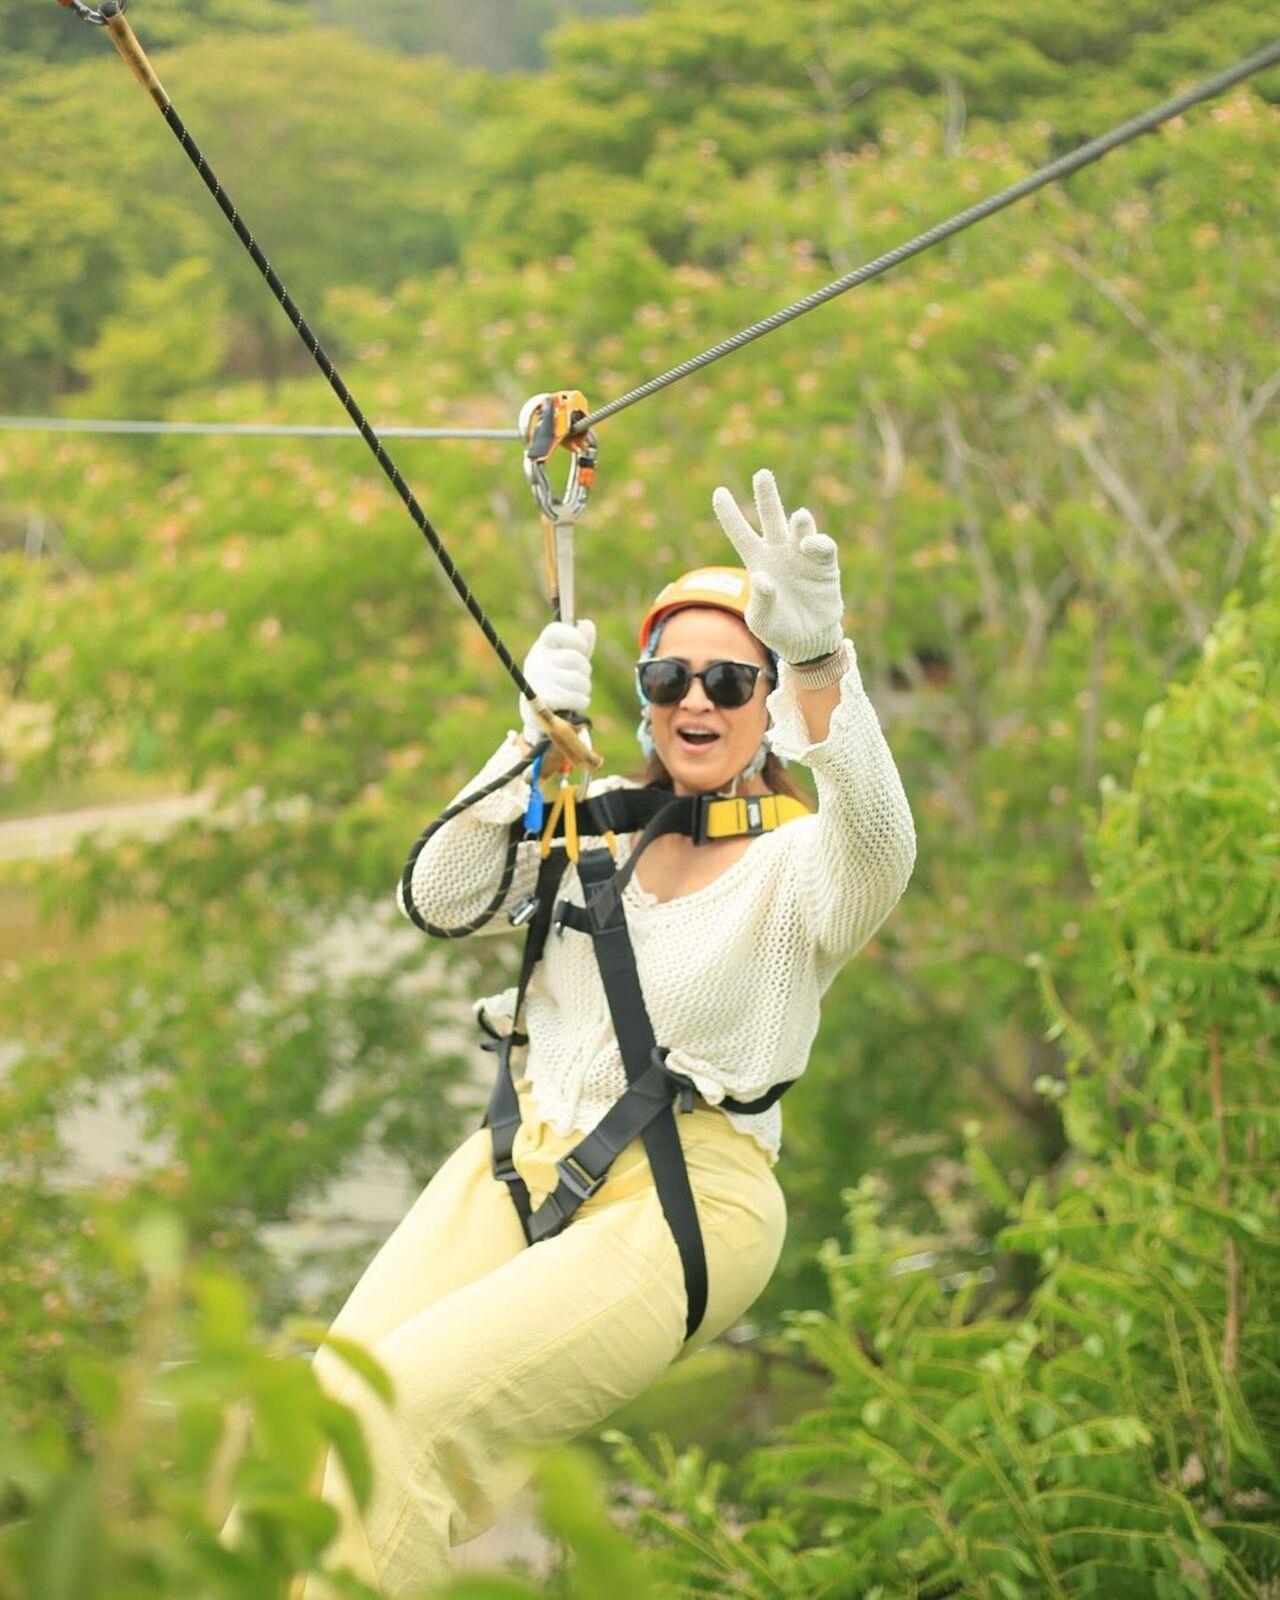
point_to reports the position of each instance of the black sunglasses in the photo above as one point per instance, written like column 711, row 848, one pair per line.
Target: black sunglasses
column 665, row 680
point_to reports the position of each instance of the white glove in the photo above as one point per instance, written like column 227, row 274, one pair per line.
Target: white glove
column 558, row 668
column 795, row 606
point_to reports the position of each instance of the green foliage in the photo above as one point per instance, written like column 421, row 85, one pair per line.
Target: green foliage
column 495, row 34
column 167, row 334
column 1045, row 452
column 83, row 217
column 1025, row 555
column 196, row 1415
column 192, row 1459
column 1118, row 1434
column 40, row 33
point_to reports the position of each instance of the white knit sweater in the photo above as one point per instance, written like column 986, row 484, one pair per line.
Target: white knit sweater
column 732, row 973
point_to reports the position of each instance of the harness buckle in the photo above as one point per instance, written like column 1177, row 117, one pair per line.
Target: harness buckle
column 577, row 1179
column 685, row 1087
column 505, row 1169
column 521, row 914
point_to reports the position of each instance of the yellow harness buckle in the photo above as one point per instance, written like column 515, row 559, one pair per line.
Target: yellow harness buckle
column 739, row 815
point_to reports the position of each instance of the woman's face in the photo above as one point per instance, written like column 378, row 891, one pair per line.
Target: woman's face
column 700, row 635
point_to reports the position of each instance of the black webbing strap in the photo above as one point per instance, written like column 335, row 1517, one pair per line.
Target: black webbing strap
column 645, row 1107
column 578, row 917
column 616, row 960
column 584, row 1168
column 502, row 1117
column 674, row 817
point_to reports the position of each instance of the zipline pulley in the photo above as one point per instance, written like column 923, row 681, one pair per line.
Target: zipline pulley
column 548, row 420
column 546, row 423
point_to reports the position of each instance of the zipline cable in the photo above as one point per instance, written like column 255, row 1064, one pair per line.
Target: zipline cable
column 110, row 14
column 266, row 429
column 1268, row 56
column 1094, row 150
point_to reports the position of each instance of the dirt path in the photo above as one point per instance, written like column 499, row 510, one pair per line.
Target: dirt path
column 55, row 832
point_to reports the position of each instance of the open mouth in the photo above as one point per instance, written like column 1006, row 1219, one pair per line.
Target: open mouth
column 696, row 740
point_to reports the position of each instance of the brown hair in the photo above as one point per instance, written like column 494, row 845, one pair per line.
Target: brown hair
column 654, row 774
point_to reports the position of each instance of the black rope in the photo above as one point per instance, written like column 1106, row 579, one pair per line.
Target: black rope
column 514, row 836
column 303, row 328
column 1268, row 56
column 367, row 432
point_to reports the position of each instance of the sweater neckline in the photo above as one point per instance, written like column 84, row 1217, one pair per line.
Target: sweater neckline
column 647, row 898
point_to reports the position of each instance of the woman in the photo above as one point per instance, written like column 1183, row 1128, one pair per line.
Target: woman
column 494, row 1345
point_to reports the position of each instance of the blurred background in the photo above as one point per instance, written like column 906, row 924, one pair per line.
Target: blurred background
column 234, row 685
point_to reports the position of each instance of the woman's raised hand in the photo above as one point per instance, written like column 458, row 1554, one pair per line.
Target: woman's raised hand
column 558, row 668
column 795, row 605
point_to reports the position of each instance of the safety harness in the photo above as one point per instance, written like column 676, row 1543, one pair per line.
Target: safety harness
column 645, row 1108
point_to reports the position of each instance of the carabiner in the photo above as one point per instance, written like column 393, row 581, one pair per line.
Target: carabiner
column 545, row 421
column 92, row 14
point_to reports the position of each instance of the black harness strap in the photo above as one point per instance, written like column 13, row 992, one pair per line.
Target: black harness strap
column 645, row 1108
column 616, row 960
column 502, row 1116
column 571, row 916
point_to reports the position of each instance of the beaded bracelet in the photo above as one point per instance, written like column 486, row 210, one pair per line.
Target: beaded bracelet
column 824, row 670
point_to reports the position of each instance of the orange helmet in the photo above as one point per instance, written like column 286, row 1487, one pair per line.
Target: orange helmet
column 727, row 588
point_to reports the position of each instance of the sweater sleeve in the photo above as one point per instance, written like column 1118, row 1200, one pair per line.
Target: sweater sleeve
column 458, row 869
column 852, row 860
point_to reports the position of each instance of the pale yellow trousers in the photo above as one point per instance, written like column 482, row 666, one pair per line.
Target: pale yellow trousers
column 497, row 1348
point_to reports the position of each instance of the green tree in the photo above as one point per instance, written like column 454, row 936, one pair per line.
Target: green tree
column 37, row 33
column 1045, row 453
column 339, row 157
column 167, row 335
column 494, row 34
column 201, row 1413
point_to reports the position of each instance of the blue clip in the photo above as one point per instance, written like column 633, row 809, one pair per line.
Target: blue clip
column 533, row 816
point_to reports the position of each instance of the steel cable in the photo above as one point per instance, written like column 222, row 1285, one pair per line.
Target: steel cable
column 1268, row 56
column 111, row 13
column 1064, row 166
column 303, row 328
column 299, row 430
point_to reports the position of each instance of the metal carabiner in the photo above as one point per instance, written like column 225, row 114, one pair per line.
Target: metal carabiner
column 545, row 421
column 89, row 13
